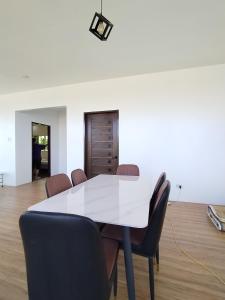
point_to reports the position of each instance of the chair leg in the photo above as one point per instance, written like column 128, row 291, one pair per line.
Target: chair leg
column 151, row 278
column 115, row 281
column 157, row 258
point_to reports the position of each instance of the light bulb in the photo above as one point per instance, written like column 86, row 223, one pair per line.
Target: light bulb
column 101, row 28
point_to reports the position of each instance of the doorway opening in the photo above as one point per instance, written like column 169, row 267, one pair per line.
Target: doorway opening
column 41, row 155
column 101, row 142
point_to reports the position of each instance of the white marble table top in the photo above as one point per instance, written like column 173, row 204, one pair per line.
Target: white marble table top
column 112, row 199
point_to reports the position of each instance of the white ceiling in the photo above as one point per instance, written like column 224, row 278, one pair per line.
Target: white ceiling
column 49, row 40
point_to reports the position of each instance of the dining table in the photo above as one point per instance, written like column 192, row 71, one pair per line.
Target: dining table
column 111, row 199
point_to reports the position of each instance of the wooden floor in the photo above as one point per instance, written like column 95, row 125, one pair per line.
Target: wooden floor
column 178, row 278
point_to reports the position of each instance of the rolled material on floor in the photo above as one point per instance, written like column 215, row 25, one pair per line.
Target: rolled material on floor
column 216, row 214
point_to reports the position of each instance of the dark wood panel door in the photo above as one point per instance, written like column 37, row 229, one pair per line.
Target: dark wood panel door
column 101, row 143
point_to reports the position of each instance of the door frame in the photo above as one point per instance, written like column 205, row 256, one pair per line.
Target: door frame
column 49, row 146
column 85, row 132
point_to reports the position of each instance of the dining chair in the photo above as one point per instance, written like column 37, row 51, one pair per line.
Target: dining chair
column 115, row 232
column 57, row 184
column 160, row 181
column 66, row 258
column 128, row 169
column 145, row 242
column 78, row 176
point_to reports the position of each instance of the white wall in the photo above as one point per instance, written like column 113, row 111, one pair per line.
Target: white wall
column 62, row 141
column 7, row 142
column 172, row 121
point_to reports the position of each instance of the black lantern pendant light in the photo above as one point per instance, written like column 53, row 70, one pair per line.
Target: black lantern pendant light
column 100, row 26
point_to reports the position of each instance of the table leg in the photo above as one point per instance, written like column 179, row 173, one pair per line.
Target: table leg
column 128, row 263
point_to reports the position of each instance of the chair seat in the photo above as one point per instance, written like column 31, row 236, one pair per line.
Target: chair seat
column 111, row 249
column 116, row 233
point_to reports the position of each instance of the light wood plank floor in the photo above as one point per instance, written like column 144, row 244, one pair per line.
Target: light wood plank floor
column 179, row 277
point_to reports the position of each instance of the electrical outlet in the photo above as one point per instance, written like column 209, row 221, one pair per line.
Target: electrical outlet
column 179, row 186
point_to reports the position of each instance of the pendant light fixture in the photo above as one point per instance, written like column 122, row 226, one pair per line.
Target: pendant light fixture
column 100, row 26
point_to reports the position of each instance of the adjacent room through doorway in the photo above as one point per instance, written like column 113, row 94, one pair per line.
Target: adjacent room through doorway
column 41, row 155
column 46, row 127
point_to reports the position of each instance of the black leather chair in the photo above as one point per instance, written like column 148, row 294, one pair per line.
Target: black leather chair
column 66, row 259
column 145, row 242
column 161, row 180
column 57, row 184
column 159, row 183
column 115, row 232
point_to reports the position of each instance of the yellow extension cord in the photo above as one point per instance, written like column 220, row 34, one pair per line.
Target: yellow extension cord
column 190, row 257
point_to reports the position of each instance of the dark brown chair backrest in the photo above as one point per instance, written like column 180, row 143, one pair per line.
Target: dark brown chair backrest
column 78, row 176
column 154, row 229
column 64, row 257
column 128, row 169
column 57, row 184
column 160, row 181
